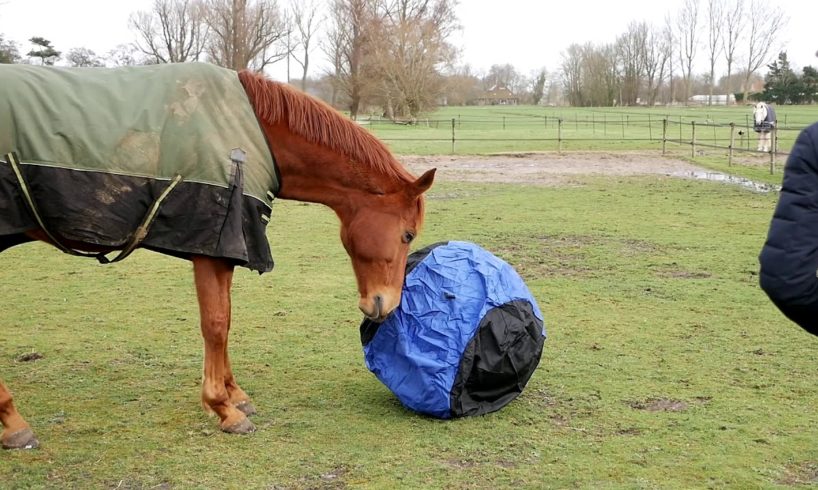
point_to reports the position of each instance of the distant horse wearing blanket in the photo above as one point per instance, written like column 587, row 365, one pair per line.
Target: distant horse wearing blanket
column 185, row 160
column 764, row 124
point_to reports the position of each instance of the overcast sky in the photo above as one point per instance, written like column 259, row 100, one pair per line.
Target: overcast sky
column 525, row 33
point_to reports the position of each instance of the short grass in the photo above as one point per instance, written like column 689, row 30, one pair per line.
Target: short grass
column 665, row 366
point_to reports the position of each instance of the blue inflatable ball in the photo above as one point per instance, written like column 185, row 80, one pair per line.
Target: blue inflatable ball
column 466, row 337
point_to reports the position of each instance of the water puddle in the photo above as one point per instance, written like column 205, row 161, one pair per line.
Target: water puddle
column 728, row 179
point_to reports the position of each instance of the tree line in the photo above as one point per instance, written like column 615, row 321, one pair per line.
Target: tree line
column 395, row 56
column 656, row 64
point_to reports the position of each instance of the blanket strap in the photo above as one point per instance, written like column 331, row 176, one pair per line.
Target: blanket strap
column 11, row 158
column 142, row 231
column 137, row 237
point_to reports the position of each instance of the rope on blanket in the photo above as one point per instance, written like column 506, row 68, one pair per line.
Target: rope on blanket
column 142, row 231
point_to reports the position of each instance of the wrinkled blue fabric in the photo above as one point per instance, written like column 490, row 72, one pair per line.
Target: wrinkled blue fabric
column 416, row 352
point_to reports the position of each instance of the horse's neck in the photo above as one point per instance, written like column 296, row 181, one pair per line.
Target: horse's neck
column 312, row 173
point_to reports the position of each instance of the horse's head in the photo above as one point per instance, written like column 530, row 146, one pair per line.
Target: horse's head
column 376, row 233
column 759, row 112
column 326, row 158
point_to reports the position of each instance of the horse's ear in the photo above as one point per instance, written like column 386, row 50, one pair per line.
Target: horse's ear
column 423, row 183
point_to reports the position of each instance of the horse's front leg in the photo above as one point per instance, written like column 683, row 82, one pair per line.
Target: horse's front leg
column 213, row 279
column 16, row 433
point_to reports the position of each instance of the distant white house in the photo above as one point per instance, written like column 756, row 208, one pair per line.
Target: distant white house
column 715, row 100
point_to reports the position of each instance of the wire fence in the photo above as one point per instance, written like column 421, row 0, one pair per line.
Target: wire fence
column 675, row 135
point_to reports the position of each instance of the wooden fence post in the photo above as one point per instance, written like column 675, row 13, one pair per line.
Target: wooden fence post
column 559, row 136
column 650, row 128
column 664, row 136
column 732, row 142
column 453, row 123
column 693, row 140
column 773, row 143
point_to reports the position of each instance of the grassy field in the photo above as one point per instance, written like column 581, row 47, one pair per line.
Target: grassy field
column 665, row 366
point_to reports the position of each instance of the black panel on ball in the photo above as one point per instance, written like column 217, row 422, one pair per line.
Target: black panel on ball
column 499, row 360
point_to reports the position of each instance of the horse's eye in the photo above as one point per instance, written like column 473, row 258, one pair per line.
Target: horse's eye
column 408, row 237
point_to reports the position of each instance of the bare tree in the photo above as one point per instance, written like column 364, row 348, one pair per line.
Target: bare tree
column 715, row 21
column 171, row 32
column 602, row 80
column 245, row 34
column 9, row 52
column 572, row 73
column 688, row 37
column 83, row 57
column 348, row 46
column 504, row 75
column 631, row 52
column 462, row 86
column 590, row 74
column 305, row 22
column 734, row 24
column 765, row 22
column 122, row 55
column 331, row 44
column 670, row 38
column 412, row 45
column 657, row 60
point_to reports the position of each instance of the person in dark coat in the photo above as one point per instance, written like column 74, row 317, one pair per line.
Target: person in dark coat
column 789, row 258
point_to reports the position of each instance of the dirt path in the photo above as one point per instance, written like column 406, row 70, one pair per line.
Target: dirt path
column 545, row 168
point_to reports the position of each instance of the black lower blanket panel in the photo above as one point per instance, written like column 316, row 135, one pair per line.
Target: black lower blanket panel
column 105, row 209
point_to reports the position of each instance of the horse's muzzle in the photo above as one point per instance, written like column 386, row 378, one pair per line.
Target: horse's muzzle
column 376, row 307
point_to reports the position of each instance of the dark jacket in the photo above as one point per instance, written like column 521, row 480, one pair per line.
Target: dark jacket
column 789, row 258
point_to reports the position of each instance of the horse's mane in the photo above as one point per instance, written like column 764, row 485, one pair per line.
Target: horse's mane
column 319, row 123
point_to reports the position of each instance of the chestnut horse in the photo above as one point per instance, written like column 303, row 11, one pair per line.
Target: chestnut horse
column 321, row 157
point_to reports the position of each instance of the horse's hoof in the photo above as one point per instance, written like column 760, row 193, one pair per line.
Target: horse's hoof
column 246, row 407
column 242, row 427
column 22, row 439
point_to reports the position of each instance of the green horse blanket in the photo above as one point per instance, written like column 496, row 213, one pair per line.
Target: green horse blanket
column 97, row 147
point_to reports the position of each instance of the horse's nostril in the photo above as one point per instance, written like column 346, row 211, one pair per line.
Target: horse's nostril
column 378, row 302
